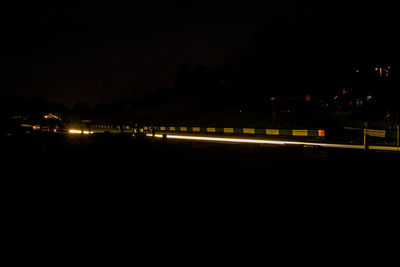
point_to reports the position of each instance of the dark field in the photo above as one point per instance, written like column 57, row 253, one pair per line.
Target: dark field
column 261, row 203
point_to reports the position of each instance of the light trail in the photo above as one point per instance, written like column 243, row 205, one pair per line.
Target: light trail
column 72, row 131
column 229, row 140
column 270, row 142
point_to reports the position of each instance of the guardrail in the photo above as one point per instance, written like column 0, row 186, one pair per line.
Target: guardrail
column 393, row 133
column 239, row 131
column 388, row 136
column 207, row 130
column 226, row 131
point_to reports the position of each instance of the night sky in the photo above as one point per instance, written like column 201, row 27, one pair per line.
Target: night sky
column 72, row 51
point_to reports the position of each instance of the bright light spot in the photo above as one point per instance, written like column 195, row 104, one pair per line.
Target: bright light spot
column 156, row 135
column 73, row 131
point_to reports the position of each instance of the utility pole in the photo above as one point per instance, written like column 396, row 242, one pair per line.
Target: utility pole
column 398, row 137
column 365, row 136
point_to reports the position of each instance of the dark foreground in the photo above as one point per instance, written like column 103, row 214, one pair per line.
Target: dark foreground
column 197, row 203
column 126, row 153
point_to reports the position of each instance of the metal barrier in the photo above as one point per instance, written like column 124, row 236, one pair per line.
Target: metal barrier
column 374, row 136
column 110, row 128
column 239, row 131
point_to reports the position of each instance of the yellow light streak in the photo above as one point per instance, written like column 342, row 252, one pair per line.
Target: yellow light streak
column 229, row 140
column 270, row 142
column 73, row 131
column 156, row 135
column 256, row 141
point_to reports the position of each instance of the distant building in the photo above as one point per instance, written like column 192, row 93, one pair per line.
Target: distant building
column 378, row 70
column 383, row 71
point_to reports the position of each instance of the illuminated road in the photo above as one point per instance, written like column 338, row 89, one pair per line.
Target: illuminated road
column 270, row 142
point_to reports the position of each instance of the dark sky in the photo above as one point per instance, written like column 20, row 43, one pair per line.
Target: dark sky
column 73, row 51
